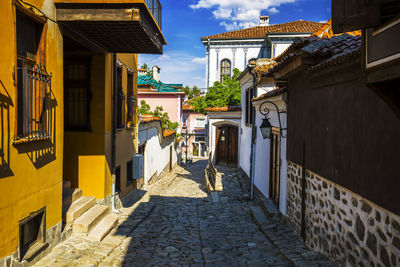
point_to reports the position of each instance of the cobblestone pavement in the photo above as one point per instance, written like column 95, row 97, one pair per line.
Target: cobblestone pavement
column 175, row 223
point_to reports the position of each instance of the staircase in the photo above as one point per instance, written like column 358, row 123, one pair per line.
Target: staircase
column 85, row 215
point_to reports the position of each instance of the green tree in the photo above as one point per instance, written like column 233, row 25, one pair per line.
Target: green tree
column 159, row 113
column 220, row 94
column 191, row 92
column 149, row 71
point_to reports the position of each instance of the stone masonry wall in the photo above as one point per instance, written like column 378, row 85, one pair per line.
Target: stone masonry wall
column 341, row 224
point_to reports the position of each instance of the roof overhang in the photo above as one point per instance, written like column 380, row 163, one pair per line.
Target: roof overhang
column 115, row 26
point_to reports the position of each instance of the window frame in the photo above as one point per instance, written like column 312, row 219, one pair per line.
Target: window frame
column 68, row 85
column 248, row 106
column 223, row 69
column 121, row 99
column 196, row 125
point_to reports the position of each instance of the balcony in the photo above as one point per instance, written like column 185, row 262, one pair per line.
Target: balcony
column 114, row 26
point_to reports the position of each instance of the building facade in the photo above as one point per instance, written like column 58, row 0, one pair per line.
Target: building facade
column 194, row 132
column 64, row 93
column 226, row 51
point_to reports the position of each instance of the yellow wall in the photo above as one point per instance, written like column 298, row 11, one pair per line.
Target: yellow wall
column 26, row 189
column 83, row 150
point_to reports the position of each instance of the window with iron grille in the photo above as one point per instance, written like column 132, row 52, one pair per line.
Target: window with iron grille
column 34, row 113
column 225, row 69
column 120, row 101
column 77, row 94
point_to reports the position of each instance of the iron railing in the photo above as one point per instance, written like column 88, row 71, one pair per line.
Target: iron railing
column 35, row 113
column 156, row 9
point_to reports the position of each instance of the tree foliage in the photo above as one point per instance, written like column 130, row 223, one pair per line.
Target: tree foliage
column 191, row 92
column 166, row 123
column 220, row 94
column 149, row 72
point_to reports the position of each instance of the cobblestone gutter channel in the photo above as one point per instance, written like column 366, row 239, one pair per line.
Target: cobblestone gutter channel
column 175, row 223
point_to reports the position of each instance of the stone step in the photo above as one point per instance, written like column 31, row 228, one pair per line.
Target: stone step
column 103, row 227
column 70, row 195
column 66, row 184
column 89, row 219
column 77, row 208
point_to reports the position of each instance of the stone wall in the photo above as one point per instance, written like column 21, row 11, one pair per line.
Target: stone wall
column 341, row 224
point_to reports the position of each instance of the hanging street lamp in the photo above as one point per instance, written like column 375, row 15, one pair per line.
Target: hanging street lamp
column 266, row 127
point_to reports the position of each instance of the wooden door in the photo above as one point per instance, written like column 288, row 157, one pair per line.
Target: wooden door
column 170, row 158
column 227, row 143
column 275, row 163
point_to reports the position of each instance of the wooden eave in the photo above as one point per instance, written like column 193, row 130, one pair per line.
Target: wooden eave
column 123, row 26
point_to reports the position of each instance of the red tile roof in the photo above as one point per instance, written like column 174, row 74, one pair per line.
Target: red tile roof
column 148, row 118
column 263, row 65
column 326, row 31
column 270, row 94
column 298, row 26
column 224, row 109
column 187, row 106
column 168, row 132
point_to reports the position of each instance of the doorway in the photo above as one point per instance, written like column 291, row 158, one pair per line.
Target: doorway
column 274, row 166
column 227, row 145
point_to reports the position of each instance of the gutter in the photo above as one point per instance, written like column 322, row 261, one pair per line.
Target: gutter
column 114, row 134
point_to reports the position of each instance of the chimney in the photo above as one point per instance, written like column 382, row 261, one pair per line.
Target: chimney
column 156, row 73
column 264, row 20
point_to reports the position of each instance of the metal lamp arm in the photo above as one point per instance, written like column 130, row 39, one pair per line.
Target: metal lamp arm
column 265, row 111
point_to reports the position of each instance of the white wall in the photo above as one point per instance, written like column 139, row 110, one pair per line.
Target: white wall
column 214, row 121
column 262, row 156
column 265, row 85
column 226, row 52
column 157, row 151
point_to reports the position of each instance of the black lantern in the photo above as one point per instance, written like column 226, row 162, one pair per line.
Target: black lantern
column 266, row 128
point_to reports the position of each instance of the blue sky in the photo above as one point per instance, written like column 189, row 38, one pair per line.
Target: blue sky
column 186, row 21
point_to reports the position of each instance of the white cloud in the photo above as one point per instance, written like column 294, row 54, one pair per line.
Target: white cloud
column 200, row 60
column 177, row 67
column 238, row 14
column 323, row 21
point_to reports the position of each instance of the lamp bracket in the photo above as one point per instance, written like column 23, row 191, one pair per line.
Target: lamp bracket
column 265, row 110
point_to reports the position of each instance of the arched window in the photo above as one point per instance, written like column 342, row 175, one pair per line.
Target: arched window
column 225, row 68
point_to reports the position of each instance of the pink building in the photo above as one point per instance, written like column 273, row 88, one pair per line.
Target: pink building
column 156, row 93
column 193, row 126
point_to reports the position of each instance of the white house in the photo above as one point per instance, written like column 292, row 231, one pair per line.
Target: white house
column 223, row 134
column 235, row 49
column 265, row 160
column 157, row 147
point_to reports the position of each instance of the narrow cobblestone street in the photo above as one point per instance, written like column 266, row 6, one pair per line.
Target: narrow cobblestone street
column 176, row 223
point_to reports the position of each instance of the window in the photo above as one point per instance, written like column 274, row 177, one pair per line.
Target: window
column 184, row 120
column 199, row 138
column 120, row 101
column 248, row 106
column 201, row 123
column 225, row 69
column 131, row 98
column 77, row 93
column 129, row 172
column 34, row 114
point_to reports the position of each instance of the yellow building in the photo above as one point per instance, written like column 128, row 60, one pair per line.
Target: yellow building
column 62, row 89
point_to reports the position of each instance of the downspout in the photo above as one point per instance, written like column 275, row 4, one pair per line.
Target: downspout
column 208, row 63
column 114, row 134
column 253, row 136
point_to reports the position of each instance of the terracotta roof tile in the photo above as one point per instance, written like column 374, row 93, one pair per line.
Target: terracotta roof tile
column 168, row 132
column 260, row 31
column 148, row 118
column 224, row 109
column 329, row 51
column 326, row 31
column 263, row 65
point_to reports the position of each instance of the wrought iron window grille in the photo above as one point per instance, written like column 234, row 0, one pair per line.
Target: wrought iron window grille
column 35, row 113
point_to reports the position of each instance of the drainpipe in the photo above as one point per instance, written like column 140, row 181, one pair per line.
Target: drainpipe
column 253, row 136
column 208, row 63
column 114, row 134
